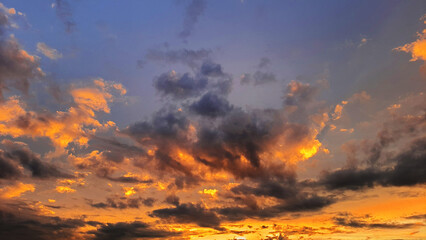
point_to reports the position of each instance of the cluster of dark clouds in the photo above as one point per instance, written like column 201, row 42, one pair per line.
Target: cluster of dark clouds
column 208, row 77
column 17, row 157
column 226, row 133
column 27, row 223
column 212, row 218
column 406, row 167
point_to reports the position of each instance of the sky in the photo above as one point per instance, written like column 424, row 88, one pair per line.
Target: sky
column 197, row 119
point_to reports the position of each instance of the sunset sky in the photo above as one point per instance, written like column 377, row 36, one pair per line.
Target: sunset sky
column 220, row 119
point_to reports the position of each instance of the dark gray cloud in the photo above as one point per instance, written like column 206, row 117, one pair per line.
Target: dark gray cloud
column 124, row 203
column 238, row 134
column 301, row 203
column 166, row 130
column 284, row 188
column 211, row 69
column 128, row 179
column 348, row 220
column 27, row 224
column 165, row 124
column 17, row 157
column 9, row 168
column 208, row 77
column 128, row 231
column 409, row 169
column 172, row 199
column 211, row 105
column 189, row 213
column 288, row 193
column 64, row 13
column 180, row 86
column 192, row 12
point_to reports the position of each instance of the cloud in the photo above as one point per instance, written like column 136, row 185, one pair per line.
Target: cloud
column 16, row 190
column 284, row 194
column 211, row 105
column 63, row 127
column 180, row 86
column 20, row 221
column 132, row 230
column 208, row 77
column 211, row 69
column 64, row 189
column 124, row 203
column 189, row 213
column 192, row 12
column 18, row 156
column 247, row 144
column 28, row 223
column 306, row 203
column 409, row 170
column 48, row 51
column 416, row 49
column 17, row 67
column 299, row 94
column 64, row 13
column 348, row 220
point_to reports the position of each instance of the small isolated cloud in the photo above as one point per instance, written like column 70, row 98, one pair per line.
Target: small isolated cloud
column 48, row 51
column 363, row 42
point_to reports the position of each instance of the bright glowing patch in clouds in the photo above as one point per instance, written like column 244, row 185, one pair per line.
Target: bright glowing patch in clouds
column 16, row 190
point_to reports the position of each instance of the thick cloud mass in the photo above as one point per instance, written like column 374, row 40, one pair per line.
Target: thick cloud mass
column 189, row 213
column 180, row 86
column 211, row 105
column 18, row 156
column 409, row 169
column 128, row 231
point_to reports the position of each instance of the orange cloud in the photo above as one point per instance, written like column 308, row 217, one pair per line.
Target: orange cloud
column 16, row 190
column 417, row 49
column 62, row 127
column 64, row 189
